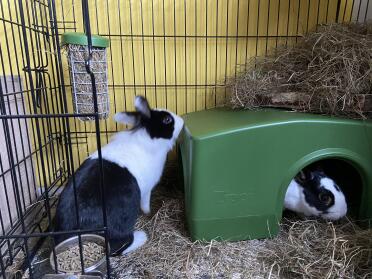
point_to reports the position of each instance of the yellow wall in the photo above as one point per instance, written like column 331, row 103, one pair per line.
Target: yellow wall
column 190, row 61
column 159, row 67
column 205, row 41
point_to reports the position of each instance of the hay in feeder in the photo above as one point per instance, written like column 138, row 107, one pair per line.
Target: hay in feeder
column 82, row 94
column 327, row 71
column 303, row 248
column 69, row 260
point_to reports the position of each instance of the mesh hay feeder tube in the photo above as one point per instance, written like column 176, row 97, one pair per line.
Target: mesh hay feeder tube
column 76, row 45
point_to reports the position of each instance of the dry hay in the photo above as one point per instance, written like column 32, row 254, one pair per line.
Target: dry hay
column 82, row 95
column 329, row 68
column 319, row 249
column 303, row 249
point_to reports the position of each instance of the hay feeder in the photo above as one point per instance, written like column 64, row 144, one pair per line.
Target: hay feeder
column 76, row 45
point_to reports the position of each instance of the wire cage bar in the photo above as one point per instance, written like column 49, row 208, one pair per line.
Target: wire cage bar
column 36, row 157
column 178, row 53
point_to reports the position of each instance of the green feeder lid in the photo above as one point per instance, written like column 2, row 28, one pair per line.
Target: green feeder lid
column 73, row 38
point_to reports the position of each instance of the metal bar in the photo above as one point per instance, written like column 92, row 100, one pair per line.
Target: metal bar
column 366, row 12
column 25, row 158
column 216, row 61
column 98, row 139
column 143, row 51
column 268, row 23
column 298, row 18
column 288, row 18
column 352, row 10
column 165, row 57
column 196, row 51
column 169, row 85
column 277, row 24
column 175, row 49
column 257, row 27
column 206, row 54
column 20, row 25
column 133, row 60
column 63, row 101
column 36, row 116
column 247, row 33
column 236, row 40
column 227, row 41
column 9, row 108
column 52, row 83
column 169, row 36
column 327, row 11
column 46, row 234
column 153, row 49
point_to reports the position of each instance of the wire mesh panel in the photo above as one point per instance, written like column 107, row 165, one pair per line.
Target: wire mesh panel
column 178, row 53
column 181, row 53
column 35, row 146
column 31, row 160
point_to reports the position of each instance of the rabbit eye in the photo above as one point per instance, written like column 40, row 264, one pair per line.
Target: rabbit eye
column 167, row 120
column 325, row 198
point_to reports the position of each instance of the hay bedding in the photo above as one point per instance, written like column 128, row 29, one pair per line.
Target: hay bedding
column 327, row 71
column 303, row 249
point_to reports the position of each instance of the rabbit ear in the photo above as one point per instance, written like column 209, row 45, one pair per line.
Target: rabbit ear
column 142, row 106
column 130, row 118
column 319, row 170
column 304, row 175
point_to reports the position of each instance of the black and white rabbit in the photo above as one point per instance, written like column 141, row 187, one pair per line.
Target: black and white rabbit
column 133, row 163
column 312, row 193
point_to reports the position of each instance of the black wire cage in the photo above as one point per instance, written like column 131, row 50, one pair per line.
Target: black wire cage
column 187, row 50
column 36, row 153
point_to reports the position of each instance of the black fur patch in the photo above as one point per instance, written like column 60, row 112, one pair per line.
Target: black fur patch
column 122, row 196
column 160, row 125
column 312, row 188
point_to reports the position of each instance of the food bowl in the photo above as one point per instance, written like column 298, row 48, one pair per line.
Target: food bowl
column 96, row 265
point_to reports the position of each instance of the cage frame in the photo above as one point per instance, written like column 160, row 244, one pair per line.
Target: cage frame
column 52, row 128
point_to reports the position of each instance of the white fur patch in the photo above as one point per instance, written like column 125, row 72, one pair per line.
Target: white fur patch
column 295, row 200
column 139, row 239
column 122, row 117
column 143, row 156
column 339, row 209
column 292, row 196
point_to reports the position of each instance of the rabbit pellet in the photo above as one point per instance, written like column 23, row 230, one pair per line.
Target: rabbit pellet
column 69, row 260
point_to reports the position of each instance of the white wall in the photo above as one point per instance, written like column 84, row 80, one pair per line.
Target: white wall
column 362, row 10
column 24, row 172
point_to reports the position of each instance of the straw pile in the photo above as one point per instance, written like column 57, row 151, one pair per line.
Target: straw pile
column 82, row 94
column 303, row 248
column 319, row 249
column 327, row 71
